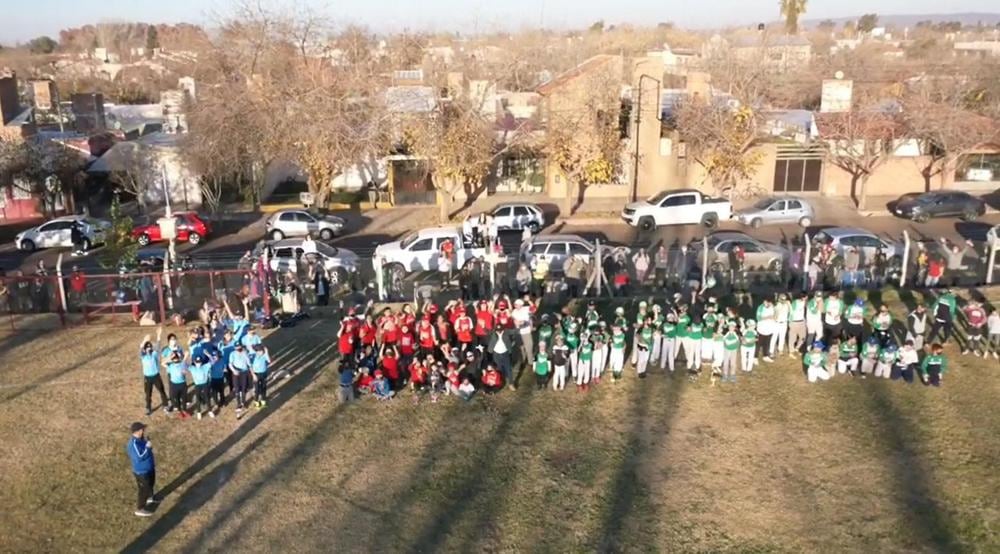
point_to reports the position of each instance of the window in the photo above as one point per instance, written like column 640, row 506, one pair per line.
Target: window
column 751, row 247
column 287, row 216
column 502, row 212
column 855, row 241
column 725, row 247
column 777, row 206
column 306, row 218
column 520, row 211
column 422, row 245
column 55, row 226
column 577, row 249
column 681, row 200
column 539, row 248
column 557, row 249
column 283, row 253
column 794, row 205
column 870, row 242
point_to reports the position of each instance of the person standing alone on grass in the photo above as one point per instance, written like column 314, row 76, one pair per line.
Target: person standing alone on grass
column 140, row 454
column 975, row 317
column 944, row 317
column 149, row 357
column 933, row 367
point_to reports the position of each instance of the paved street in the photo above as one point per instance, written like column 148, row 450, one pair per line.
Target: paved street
column 368, row 230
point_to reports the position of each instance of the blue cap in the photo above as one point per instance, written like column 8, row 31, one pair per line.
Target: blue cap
column 859, row 302
column 819, row 344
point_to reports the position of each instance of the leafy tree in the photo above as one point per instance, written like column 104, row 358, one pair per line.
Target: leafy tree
column 827, row 25
column 858, row 142
column 119, row 247
column 597, row 26
column 42, row 45
column 868, row 22
column 792, row 10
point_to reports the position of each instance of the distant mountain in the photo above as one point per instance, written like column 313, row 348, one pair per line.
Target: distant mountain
column 910, row 20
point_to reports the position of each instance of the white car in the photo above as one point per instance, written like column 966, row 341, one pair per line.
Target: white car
column 557, row 249
column 515, row 216
column 677, row 207
column 867, row 243
column 58, row 233
column 289, row 255
column 421, row 250
column 299, row 223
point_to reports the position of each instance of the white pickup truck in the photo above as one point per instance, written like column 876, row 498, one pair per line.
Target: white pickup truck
column 421, row 250
column 677, row 207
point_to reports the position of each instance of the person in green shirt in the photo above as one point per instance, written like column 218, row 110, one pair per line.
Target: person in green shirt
column 585, row 358
column 668, row 341
column 814, row 362
column 882, row 324
column 620, row 320
column 717, row 349
column 643, row 344
column 886, row 358
column 616, row 358
column 933, row 366
column 869, row 355
column 748, row 346
column 638, row 323
column 573, row 343
column 542, row 367
column 848, row 356
column 694, row 338
column 600, row 339
column 731, row 344
column 683, row 342
column 591, row 316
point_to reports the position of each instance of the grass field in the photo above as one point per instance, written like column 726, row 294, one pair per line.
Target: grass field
column 771, row 464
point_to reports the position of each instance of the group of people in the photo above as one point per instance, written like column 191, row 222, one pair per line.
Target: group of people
column 225, row 352
column 463, row 348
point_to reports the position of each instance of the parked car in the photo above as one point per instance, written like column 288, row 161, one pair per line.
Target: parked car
column 287, row 255
column 677, row 207
column 867, row 243
column 299, row 223
column 557, row 249
column 939, row 203
column 757, row 254
column 151, row 260
column 515, row 216
column 420, row 250
column 777, row 209
column 190, row 228
column 57, row 233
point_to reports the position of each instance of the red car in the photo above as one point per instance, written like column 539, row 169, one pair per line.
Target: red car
column 190, row 228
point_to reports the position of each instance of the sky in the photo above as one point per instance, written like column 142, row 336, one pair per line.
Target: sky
column 24, row 19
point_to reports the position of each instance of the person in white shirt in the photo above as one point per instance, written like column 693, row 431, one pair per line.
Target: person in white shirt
column 782, row 309
column 308, row 245
column 797, row 325
column 993, row 332
column 522, row 321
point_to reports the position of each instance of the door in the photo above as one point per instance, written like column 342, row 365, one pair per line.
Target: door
column 777, row 212
column 556, row 254
column 754, row 255
column 289, row 224
column 793, row 211
column 521, row 217
column 310, row 224
column 503, row 218
column 54, row 234
column 672, row 209
column 182, row 226
column 284, row 260
column 423, row 255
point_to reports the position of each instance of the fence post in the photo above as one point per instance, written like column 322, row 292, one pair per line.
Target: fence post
column 806, row 261
column 992, row 261
column 704, row 263
column 159, row 290
column 62, row 286
column 266, row 292
column 906, row 259
column 380, row 277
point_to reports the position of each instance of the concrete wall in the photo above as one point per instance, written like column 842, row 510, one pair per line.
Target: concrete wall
column 898, row 175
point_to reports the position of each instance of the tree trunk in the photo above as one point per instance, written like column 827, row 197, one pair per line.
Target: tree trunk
column 854, row 190
column 926, row 174
column 863, row 194
column 444, row 205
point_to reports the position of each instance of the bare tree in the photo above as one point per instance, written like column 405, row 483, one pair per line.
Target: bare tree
column 936, row 115
column 858, row 142
column 135, row 172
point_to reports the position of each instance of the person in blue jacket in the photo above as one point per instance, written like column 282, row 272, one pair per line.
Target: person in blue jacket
column 140, row 453
column 239, row 366
column 238, row 323
column 260, row 363
column 226, row 347
column 201, row 372
column 177, row 373
column 149, row 359
column 217, row 374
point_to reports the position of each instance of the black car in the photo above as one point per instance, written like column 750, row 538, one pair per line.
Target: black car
column 943, row 203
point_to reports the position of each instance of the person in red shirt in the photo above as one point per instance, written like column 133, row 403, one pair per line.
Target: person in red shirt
column 454, row 310
column 418, row 376
column 407, row 317
column 407, row 346
column 389, row 328
column 345, row 342
column 443, row 330
column 492, row 380
column 426, row 337
column 484, row 322
column 390, row 366
column 463, row 331
column 366, row 332
column 504, row 320
column 365, row 381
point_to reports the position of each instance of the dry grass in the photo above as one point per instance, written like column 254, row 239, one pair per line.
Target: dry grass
column 771, row 464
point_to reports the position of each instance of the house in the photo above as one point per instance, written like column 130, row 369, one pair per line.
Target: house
column 154, row 160
column 978, row 48
column 676, row 61
column 780, row 52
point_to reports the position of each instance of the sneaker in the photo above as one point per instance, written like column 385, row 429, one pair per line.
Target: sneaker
column 143, row 513
column 768, row 359
column 211, row 414
column 964, row 352
column 152, row 500
column 199, row 416
column 263, row 403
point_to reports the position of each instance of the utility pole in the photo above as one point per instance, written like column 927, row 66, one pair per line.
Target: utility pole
column 638, row 128
column 169, row 230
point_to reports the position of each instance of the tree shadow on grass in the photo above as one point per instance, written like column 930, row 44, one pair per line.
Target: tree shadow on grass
column 930, row 526
column 316, row 357
column 50, row 378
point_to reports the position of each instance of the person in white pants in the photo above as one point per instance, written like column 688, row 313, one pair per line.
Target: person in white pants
column 640, row 320
column 782, row 309
column 600, row 355
column 748, row 346
column 584, row 360
column 887, row 357
column 616, row 357
column 560, row 358
column 668, row 342
column 815, row 370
